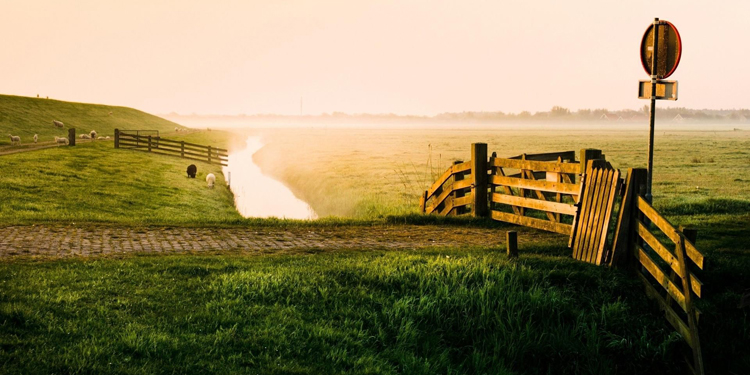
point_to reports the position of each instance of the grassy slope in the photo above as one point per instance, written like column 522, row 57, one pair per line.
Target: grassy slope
column 96, row 183
column 25, row 116
column 93, row 182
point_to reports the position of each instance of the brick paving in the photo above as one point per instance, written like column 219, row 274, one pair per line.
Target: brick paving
column 71, row 240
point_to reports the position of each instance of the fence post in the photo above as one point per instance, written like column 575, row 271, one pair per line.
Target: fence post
column 71, row 137
column 459, row 193
column 589, row 154
column 117, row 138
column 511, row 239
column 423, row 202
column 182, row 148
column 149, row 143
column 209, row 154
column 479, row 207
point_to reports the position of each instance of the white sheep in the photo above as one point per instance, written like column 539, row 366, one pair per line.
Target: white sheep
column 36, row 138
column 92, row 134
column 15, row 139
column 57, row 124
column 101, row 138
column 211, row 179
column 107, row 137
column 84, row 136
column 61, row 141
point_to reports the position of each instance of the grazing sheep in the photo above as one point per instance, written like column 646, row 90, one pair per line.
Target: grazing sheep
column 61, row 141
column 15, row 139
column 92, row 134
column 36, row 138
column 107, row 137
column 192, row 170
column 210, row 178
column 84, row 136
column 57, row 124
column 100, row 138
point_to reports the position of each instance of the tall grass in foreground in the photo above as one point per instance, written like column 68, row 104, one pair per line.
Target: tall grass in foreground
column 423, row 312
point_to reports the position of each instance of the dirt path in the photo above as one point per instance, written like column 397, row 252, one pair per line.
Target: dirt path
column 66, row 241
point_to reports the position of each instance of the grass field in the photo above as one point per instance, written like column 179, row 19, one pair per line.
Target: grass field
column 375, row 172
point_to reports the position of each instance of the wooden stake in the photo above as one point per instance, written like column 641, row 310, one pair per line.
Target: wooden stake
column 512, row 244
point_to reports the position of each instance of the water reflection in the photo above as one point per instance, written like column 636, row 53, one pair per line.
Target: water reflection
column 258, row 195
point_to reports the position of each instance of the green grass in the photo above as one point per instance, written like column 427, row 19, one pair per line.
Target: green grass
column 423, row 312
column 94, row 182
column 25, row 116
column 371, row 173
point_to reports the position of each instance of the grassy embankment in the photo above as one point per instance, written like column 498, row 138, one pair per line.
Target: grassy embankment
column 93, row 182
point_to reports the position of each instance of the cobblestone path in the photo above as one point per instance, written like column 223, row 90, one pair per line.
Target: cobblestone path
column 66, row 240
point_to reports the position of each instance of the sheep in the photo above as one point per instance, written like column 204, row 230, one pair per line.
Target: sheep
column 210, row 178
column 57, row 124
column 192, row 170
column 36, row 138
column 92, row 134
column 107, row 137
column 101, row 138
column 61, row 141
column 14, row 139
column 84, row 136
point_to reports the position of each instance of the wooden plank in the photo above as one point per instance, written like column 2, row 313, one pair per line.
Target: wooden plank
column 508, row 191
column 625, row 218
column 543, row 166
column 586, row 209
column 194, row 149
column 461, row 167
column 667, row 256
column 144, row 138
column 532, row 222
column 167, row 150
column 170, row 154
column 548, row 156
column 671, row 316
column 592, row 242
column 541, row 196
column 614, row 184
column 669, row 230
column 695, row 344
column 462, row 201
column 536, row 204
column 461, row 184
column 576, row 218
column 661, row 277
column 447, row 191
column 439, row 182
column 551, row 187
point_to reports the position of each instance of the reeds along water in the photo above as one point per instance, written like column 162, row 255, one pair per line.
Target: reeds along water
column 258, row 195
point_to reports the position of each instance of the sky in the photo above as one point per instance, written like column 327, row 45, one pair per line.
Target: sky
column 361, row 56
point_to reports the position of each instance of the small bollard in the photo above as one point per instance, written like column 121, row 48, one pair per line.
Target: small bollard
column 512, row 244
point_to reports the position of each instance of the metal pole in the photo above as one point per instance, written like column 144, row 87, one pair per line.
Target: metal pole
column 654, row 78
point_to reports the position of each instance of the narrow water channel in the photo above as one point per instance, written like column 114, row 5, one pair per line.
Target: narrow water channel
column 258, row 195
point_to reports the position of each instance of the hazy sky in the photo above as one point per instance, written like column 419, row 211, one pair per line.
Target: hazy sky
column 405, row 57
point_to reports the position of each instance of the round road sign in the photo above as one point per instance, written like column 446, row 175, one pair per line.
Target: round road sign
column 669, row 48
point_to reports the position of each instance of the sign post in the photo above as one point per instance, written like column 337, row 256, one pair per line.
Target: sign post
column 661, row 48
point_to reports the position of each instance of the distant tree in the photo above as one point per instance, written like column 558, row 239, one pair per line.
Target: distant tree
column 558, row 111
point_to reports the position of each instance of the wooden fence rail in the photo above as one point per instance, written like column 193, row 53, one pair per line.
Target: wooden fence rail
column 163, row 146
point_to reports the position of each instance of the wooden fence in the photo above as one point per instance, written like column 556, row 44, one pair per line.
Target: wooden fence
column 526, row 187
column 638, row 233
column 553, row 192
column 149, row 143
